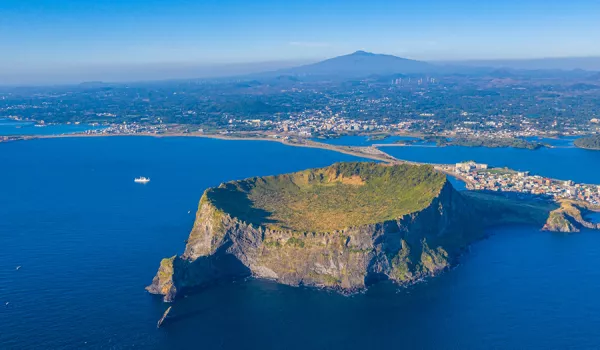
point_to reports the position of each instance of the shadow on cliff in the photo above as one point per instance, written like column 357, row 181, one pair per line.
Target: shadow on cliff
column 501, row 208
column 235, row 201
column 207, row 271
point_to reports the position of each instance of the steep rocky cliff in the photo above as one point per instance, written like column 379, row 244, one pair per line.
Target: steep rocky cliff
column 262, row 227
column 568, row 218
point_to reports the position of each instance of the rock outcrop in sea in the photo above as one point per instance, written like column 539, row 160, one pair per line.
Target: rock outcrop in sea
column 342, row 227
column 569, row 218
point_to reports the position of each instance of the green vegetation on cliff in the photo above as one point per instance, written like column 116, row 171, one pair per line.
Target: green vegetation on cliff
column 590, row 142
column 484, row 142
column 493, row 208
column 333, row 198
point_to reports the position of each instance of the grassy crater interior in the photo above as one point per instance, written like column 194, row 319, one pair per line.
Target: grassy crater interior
column 332, row 198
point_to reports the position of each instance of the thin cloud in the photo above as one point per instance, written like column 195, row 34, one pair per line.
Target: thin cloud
column 309, row 44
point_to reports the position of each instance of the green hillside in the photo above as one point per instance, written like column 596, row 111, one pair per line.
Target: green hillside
column 331, row 198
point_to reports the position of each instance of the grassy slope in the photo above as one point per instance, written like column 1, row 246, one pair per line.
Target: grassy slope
column 496, row 209
column 332, row 198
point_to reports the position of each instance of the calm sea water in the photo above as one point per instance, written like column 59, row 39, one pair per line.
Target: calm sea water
column 568, row 163
column 355, row 140
column 363, row 140
column 12, row 127
column 88, row 239
column 566, row 141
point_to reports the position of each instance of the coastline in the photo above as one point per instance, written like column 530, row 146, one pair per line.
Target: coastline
column 587, row 148
column 372, row 153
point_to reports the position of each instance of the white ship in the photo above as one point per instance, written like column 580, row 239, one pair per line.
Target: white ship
column 142, row 180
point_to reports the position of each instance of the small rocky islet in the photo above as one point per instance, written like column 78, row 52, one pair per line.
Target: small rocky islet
column 341, row 227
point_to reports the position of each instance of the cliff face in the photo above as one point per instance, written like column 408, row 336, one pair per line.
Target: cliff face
column 568, row 219
column 411, row 247
column 414, row 245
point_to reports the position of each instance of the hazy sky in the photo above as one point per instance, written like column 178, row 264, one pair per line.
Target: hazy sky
column 37, row 35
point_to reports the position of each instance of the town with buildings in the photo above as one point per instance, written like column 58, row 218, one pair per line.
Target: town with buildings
column 481, row 177
column 452, row 106
column 127, row 129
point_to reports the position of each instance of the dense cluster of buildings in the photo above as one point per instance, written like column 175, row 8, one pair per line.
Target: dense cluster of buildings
column 502, row 126
column 127, row 129
column 305, row 125
column 479, row 177
column 309, row 124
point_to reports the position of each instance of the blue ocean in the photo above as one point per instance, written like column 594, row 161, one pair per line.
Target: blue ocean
column 80, row 241
column 351, row 140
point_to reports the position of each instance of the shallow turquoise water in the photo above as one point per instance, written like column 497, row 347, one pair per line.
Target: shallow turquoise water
column 89, row 239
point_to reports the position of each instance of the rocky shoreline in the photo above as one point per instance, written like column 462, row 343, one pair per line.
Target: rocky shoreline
column 569, row 218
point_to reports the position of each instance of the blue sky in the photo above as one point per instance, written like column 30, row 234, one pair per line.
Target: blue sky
column 50, row 33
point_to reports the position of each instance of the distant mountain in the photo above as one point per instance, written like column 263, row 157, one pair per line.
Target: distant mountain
column 501, row 73
column 360, row 64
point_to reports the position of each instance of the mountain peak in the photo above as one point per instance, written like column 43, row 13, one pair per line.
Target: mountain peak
column 362, row 64
column 362, row 53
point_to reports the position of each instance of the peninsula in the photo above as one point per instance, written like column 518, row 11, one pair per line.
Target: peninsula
column 589, row 142
column 342, row 227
